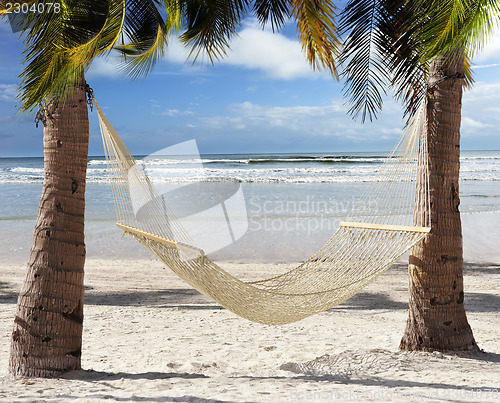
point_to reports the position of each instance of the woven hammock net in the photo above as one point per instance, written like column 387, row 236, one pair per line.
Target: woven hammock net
column 366, row 244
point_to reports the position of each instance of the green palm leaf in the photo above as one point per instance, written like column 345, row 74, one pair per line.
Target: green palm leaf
column 60, row 44
column 316, row 25
column 393, row 42
column 210, row 25
column 147, row 35
column 278, row 12
column 365, row 67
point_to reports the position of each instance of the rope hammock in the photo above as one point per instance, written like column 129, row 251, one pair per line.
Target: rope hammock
column 376, row 233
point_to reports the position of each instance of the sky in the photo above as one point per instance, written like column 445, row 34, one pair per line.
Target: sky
column 262, row 98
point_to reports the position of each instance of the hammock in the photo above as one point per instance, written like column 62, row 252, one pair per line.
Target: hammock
column 376, row 233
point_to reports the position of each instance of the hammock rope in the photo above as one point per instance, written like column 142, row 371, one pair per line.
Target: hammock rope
column 378, row 230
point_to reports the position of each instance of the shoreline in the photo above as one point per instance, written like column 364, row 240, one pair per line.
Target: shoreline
column 481, row 234
column 148, row 336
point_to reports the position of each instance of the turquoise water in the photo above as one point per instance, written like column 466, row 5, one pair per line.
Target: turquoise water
column 293, row 202
column 323, row 184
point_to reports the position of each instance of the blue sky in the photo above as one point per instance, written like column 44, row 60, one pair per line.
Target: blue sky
column 262, row 98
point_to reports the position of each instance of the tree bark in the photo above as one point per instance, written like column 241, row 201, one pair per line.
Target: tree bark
column 47, row 335
column 437, row 319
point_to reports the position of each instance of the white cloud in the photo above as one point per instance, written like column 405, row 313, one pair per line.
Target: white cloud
column 8, row 92
column 480, row 114
column 176, row 112
column 105, row 67
column 469, row 123
column 481, row 92
column 486, row 66
column 176, row 52
column 274, row 54
column 305, row 121
column 491, row 52
column 292, row 117
column 155, row 104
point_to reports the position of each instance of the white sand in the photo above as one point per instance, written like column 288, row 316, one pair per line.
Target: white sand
column 148, row 337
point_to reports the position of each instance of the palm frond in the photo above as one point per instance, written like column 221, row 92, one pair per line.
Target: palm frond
column 44, row 61
column 365, row 68
column 278, row 12
column 401, row 50
column 468, row 71
column 446, row 28
column 452, row 25
column 147, row 34
column 101, row 35
column 210, row 25
column 481, row 24
column 317, row 28
column 60, row 44
column 403, row 37
column 174, row 17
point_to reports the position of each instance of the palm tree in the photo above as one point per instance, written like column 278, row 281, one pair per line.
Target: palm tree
column 46, row 340
column 47, row 334
column 422, row 50
column 60, row 46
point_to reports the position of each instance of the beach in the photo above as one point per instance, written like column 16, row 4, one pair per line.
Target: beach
column 149, row 337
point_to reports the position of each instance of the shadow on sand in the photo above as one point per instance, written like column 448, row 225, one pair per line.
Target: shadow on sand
column 7, row 296
column 397, row 387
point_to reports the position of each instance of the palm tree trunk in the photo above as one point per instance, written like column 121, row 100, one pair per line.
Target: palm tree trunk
column 437, row 319
column 47, row 336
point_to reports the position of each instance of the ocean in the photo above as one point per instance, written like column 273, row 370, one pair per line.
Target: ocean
column 332, row 177
column 288, row 196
